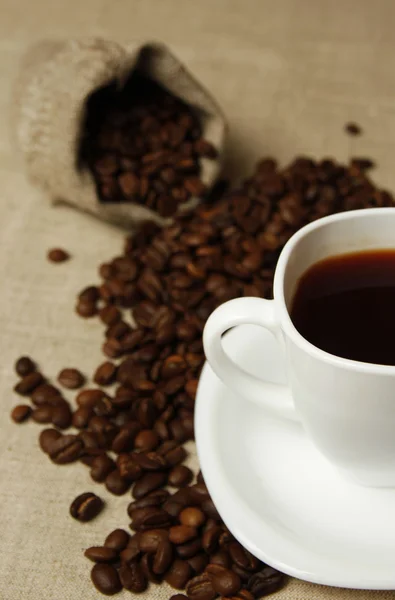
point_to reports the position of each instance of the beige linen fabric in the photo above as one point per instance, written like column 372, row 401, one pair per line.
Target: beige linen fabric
column 288, row 75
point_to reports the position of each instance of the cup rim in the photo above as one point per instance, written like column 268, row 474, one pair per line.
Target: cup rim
column 279, row 298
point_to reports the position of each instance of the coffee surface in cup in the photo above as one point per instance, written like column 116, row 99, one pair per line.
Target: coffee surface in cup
column 345, row 305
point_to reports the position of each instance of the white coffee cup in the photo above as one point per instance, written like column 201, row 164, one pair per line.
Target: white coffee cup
column 346, row 407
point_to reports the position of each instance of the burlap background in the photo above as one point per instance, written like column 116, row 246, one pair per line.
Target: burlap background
column 288, row 74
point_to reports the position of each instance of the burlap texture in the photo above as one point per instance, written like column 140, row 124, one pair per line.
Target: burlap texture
column 55, row 80
column 288, row 74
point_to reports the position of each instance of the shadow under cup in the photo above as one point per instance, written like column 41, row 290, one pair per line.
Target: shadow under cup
column 347, row 407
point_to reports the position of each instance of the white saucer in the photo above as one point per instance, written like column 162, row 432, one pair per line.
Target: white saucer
column 277, row 494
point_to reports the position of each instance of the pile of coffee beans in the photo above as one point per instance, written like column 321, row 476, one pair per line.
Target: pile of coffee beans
column 153, row 301
column 143, row 145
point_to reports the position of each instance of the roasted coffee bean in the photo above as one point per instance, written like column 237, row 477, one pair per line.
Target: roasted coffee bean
column 150, row 517
column 89, row 398
column 57, row 255
column 21, row 413
column 210, row 539
column 86, row 507
column 155, row 498
column 133, row 578
column 224, row 581
column 116, row 484
column 28, row 383
column 175, row 456
column 353, row 129
column 82, row 416
column 61, row 415
column 189, row 549
column 105, row 579
column 150, row 540
column 208, row 507
column 163, row 557
column 172, row 508
column 179, row 574
column 117, row 540
column 180, row 476
column 128, row 469
column 198, row 562
column 65, row 449
column 266, row 582
column 24, row 366
column 178, row 597
column 192, row 517
column 150, row 461
column 47, row 439
column 105, row 373
column 110, row 314
column 221, row 558
column 89, row 294
column 71, row 378
column 43, row 414
column 45, row 394
column 200, row 588
column 147, row 563
column 146, row 440
column 148, row 483
column 86, row 309
column 241, row 557
column 101, row 554
column 180, row 534
column 101, row 467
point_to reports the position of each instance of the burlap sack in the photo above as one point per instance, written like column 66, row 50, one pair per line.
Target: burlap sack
column 55, row 81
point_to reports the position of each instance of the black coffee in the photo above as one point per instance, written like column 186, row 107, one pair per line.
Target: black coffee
column 345, row 305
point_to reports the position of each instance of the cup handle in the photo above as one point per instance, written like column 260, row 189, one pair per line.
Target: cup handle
column 275, row 397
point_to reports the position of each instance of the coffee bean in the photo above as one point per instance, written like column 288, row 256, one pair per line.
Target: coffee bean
column 175, row 456
column 89, row 294
column 155, row 498
column 133, row 578
column 47, row 439
column 198, row 562
column 71, row 378
column 86, row 507
column 21, row 413
column 65, row 449
column 101, row 554
column 61, row 415
column 146, row 440
column 128, row 469
column 42, row 414
column 210, row 539
column 150, row 517
column 116, row 484
column 105, row 579
column 117, row 540
column 221, row 558
column 89, row 398
column 224, row 581
column 189, row 549
column 86, row 309
column 24, row 366
column 180, row 534
column 57, row 255
column 178, row 597
column 266, row 582
column 28, row 383
column 192, row 517
column 81, row 417
column 163, row 557
column 353, row 129
column 45, row 394
column 200, row 588
column 147, row 563
column 101, row 468
column 179, row 574
column 148, row 483
column 180, row 476
column 105, row 373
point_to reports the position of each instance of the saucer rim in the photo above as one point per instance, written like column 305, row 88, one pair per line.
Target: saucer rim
column 219, row 485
